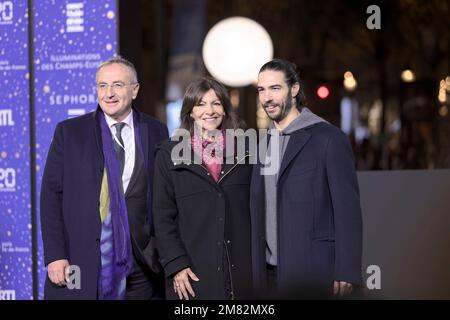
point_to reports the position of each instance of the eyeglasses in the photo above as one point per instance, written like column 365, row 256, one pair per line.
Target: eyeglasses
column 114, row 86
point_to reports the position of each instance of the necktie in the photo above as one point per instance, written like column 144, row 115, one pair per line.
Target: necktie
column 120, row 151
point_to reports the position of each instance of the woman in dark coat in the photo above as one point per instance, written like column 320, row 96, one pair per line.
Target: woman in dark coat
column 201, row 200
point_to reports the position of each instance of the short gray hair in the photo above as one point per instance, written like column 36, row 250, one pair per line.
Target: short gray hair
column 119, row 60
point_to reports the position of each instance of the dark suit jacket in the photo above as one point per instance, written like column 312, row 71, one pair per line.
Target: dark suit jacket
column 319, row 215
column 70, row 191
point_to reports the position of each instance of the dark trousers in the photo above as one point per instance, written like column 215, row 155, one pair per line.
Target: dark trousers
column 272, row 283
column 144, row 284
column 304, row 291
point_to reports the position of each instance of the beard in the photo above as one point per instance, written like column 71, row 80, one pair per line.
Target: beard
column 285, row 107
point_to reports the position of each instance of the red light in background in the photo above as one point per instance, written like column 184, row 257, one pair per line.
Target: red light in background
column 323, row 92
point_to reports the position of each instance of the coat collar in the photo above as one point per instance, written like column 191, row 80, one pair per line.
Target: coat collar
column 296, row 143
column 192, row 162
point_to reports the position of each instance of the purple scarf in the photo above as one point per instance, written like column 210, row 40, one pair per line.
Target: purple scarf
column 122, row 260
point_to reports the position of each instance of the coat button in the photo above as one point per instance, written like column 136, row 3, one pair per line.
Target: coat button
column 218, row 269
column 221, row 172
column 220, row 195
column 228, row 241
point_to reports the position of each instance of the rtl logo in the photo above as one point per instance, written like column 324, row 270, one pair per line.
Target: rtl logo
column 6, row 118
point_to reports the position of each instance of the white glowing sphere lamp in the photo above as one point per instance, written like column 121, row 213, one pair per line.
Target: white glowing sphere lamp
column 235, row 49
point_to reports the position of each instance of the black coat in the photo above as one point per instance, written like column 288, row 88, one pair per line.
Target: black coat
column 70, row 192
column 203, row 224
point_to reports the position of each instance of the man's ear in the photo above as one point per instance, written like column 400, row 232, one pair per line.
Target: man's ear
column 295, row 89
column 135, row 91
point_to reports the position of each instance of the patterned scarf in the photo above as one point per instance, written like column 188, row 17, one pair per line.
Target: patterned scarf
column 116, row 251
column 211, row 153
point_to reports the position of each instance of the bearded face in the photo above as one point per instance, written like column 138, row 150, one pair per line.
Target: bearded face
column 278, row 110
column 275, row 94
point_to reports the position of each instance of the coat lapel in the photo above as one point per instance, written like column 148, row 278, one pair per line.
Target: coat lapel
column 296, row 143
column 98, row 134
column 143, row 130
column 144, row 141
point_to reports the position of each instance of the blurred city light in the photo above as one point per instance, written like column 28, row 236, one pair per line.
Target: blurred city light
column 323, row 92
column 443, row 111
column 442, row 95
column 350, row 84
column 234, row 50
column 408, row 76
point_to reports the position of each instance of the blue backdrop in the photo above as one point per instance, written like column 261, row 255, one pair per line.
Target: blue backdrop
column 15, row 204
column 70, row 39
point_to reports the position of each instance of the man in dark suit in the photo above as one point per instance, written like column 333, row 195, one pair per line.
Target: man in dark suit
column 96, row 196
column 306, row 216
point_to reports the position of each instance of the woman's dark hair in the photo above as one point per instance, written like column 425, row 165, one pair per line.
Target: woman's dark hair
column 195, row 92
column 290, row 76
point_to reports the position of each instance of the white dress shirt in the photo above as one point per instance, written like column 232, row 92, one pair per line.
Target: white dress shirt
column 130, row 146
